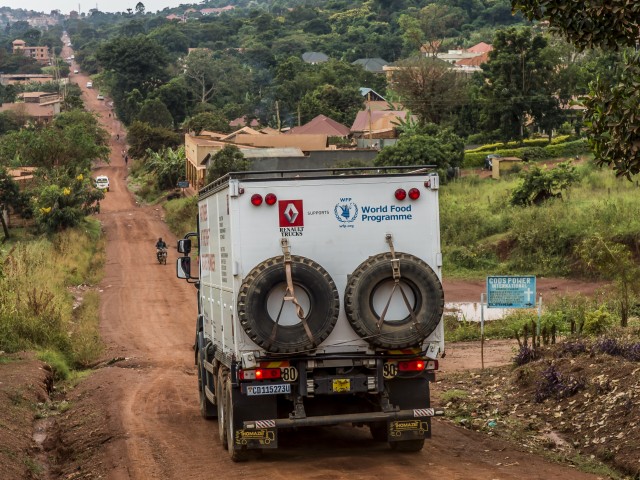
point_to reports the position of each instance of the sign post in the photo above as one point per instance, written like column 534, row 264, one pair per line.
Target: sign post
column 183, row 184
column 509, row 292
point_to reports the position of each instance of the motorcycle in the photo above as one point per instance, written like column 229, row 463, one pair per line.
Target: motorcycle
column 161, row 255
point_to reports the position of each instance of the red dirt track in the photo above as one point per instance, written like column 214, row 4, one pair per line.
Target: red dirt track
column 147, row 404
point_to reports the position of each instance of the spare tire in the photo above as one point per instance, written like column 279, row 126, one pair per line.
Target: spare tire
column 369, row 289
column 260, row 305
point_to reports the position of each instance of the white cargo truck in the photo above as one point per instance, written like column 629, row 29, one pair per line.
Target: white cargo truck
column 319, row 303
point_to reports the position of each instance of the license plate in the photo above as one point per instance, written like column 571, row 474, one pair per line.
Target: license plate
column 341, row 385
column 271, row 389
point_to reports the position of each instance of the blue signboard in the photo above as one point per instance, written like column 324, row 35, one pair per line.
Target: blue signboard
column 511, row 292
column 183, row 184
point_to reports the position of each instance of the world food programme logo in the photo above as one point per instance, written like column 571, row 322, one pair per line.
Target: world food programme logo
column 346, row 212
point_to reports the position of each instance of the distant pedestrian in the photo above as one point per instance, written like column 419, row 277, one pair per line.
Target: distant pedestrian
column 126, row 159
column 118, row 136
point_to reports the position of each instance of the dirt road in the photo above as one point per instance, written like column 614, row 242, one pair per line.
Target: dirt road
column 138, row 418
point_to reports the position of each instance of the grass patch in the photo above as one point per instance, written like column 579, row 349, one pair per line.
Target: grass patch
column 483, row 234
column 33, row 466
column 42, row 280
column 57, row 362
column 181, row 215
column 453, row 395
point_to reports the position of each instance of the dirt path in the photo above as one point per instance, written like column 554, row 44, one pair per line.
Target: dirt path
column 146, row 423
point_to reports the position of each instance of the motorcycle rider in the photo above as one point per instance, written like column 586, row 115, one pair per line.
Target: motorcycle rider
column 161, row 246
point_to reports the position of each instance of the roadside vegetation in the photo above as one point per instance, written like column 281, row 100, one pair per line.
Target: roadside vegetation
column 48, row 301
column 483, row 232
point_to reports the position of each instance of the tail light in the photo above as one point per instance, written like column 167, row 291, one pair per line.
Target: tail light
column 416, row 365
column 401, row 194
column 259, row 374
column 270, row 199
column 414, row 194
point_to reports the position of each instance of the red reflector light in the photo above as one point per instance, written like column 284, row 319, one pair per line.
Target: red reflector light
column 267, row 373
column 411, row 366
column 270, row 199
column 259, row 374
column 414, row 194
column 256, row 199
column 400, row 194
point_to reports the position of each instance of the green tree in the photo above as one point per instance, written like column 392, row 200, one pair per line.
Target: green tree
column 517, row 84
column 612, row 261
column 219, row 80
column 433, row 146
column 430, row 88
column 9, row 121
column 611, row 24
column 142, row 137
column 167, row 166
column 229, row 159
column 70, row 144
column 155, row 113
column 63, row 202
column 431, row 26
column 540, row 184
column 611, row 112
column 339, row 104
column 10, row 198
column 207, row 121
column 136, row 63
column 176, row 96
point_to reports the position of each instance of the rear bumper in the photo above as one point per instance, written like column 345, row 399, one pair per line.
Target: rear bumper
column 399, row 415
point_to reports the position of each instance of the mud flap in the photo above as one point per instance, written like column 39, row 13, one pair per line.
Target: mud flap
column 401, row 430
column 409, row 393
column 258, row 410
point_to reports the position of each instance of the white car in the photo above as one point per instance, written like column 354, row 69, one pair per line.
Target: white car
column 76, row 71
column 89, row 84
column 100, row 96
column 102, row 182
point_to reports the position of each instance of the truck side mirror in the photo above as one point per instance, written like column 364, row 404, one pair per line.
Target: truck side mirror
column 183, row 267
column 184, row 246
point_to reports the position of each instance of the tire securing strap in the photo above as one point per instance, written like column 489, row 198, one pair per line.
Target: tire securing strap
column 289, row 295
column 395, row 267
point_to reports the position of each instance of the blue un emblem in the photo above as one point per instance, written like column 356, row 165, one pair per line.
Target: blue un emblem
column 346, row 212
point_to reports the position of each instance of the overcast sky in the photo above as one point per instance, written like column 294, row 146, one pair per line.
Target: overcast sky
column 65, row 6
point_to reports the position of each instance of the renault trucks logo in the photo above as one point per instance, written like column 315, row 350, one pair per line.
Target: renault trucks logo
column 291, row 218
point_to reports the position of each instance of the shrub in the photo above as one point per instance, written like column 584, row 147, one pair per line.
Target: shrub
column 610, row 346
column 597, row 322
column 555, row 384
column 475, row 158
column 525, row 355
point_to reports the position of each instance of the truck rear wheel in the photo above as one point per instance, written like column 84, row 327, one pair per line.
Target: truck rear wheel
column 220, row 402
column 368, row 294
column 236, row 452
column 408, row 445
column 207, row 409
column 266, row 284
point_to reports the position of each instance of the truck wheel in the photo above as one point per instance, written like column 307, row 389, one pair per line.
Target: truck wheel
column 265, row 285
column 222, row 414
column 408, row 445
column 368, row 291
column 236, row 452
column 207, row 409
